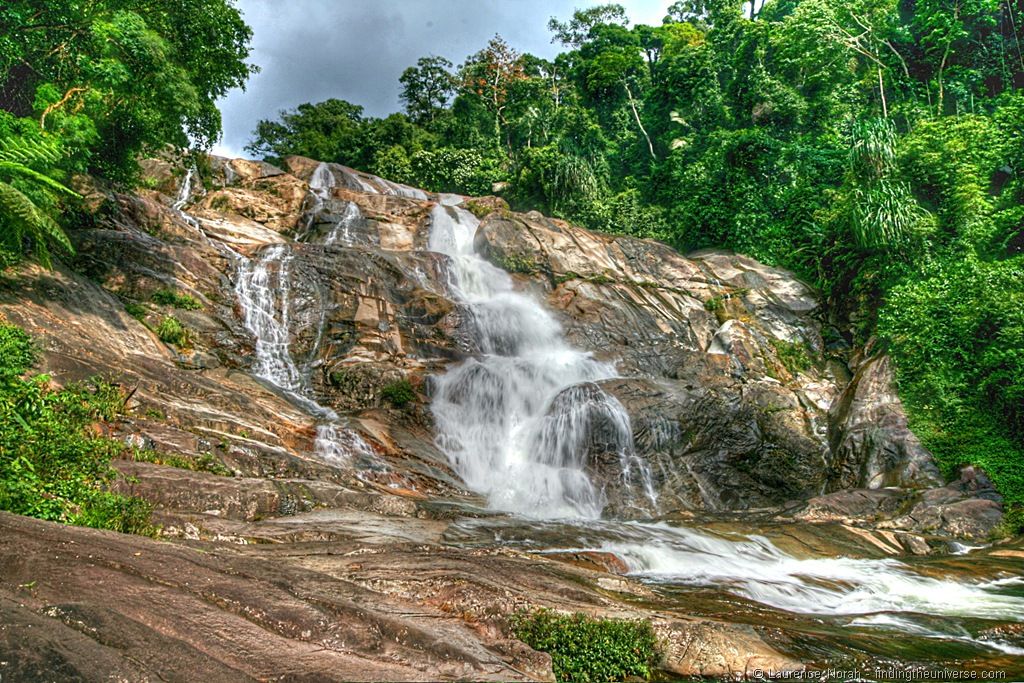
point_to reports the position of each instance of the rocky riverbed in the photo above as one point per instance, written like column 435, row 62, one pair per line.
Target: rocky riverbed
column 780, row 479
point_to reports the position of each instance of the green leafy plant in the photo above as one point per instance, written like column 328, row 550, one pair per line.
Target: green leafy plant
column 587, row 650
column 793, row 355
column 398, row 393
column 54, row 463
column 23, row 190
column 204, row 462
column 137, row 311
column 171, row 331
column 169, row 297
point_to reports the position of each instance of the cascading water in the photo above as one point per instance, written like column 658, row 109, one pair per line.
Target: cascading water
column 263, row 288
column 518, row 421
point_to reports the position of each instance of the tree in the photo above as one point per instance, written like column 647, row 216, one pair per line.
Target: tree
column 427, row 88
column 488, row 76
column 115, row 77
column 577, row 30
column 331, row 130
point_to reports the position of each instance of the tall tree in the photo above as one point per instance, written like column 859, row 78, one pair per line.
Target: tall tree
column 427, row 88
column 488, row 76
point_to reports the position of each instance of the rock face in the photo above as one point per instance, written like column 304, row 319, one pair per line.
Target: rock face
column 734, row 405
column 733, row 401
column 870, row 444
column 968, row 508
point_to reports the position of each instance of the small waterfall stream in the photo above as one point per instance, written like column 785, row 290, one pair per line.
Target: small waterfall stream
column 517, row 421
column 263, row 288
column 263, row 291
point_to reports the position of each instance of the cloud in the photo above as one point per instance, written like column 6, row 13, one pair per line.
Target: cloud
column 310, row 50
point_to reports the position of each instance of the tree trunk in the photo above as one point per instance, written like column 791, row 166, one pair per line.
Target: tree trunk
column 639, row 123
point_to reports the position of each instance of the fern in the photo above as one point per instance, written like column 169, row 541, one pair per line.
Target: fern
column 21, row 217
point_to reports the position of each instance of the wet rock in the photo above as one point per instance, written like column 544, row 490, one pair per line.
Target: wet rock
column 723, row 448
column 871, row 444
column 966, row 509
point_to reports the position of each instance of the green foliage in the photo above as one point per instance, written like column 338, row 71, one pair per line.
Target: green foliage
column 205, row 462
column 17, row 353
column 956, row 336
column 448, row 169
column 52, row 464
column 518, row 263
column 169, row 297
column 479, row 210
column 398, row 393
column 793, row 355
column 585, row 650
column 115, row 78
column 137, row 311
column 427, row 88
column 171, row 331
column 27, row 196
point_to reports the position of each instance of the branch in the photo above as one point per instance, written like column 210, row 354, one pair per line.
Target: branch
column 57, row 105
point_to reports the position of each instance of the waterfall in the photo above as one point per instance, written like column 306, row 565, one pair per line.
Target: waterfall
column 342, row 230
column 519, row 421
column 263, row 289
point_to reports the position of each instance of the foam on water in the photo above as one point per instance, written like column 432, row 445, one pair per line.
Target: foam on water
column 756, row 568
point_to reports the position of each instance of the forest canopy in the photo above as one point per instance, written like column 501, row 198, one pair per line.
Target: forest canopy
column 874, row 147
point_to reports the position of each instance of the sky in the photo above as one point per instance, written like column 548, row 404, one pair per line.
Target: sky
column 355, row 50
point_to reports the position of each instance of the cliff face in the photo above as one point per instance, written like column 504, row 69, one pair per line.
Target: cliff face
column 735, row 402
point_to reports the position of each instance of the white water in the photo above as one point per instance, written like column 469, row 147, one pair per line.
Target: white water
column 342, row 230
column 517, row 422
column 754, row 567
column 263, row 288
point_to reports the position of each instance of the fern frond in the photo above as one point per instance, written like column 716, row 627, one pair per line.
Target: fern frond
column 20, row 217
column 11, row 168
column 22, row 151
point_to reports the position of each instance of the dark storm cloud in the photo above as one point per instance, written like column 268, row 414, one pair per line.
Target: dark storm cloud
column 310, row 50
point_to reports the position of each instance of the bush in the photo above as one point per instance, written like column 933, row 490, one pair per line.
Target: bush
column 398, row 393
column 169, row 297
column 137, row 311
column 171, row 331
column 584, row 649
column 792, row 355
column 52, row 464
column 956, row 334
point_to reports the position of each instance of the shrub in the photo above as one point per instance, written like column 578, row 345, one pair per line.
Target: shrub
column 205, row 462
column 584, row 649
column 137, row 311
column 792, row 355
column 169, row 297
column 53, row 465
column 171, row 331
column 398, row 393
